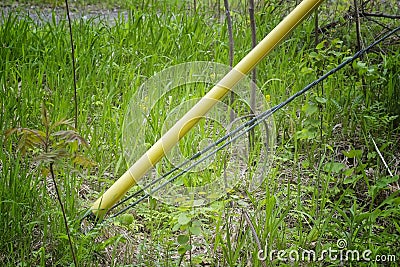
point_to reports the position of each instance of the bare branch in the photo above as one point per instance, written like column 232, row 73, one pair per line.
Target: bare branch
column 73, row 65
column 379, row 15
column 253, row 230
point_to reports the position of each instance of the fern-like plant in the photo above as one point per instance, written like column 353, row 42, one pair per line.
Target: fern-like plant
column 56, row 141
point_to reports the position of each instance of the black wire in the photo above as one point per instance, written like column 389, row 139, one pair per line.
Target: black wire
column 195, row 156
column 248, row 126
column 253, row 122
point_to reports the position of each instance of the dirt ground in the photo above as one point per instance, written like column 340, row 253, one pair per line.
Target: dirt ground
column 44, row 13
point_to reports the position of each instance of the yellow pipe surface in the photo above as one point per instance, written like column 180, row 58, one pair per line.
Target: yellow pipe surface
column 172, row 136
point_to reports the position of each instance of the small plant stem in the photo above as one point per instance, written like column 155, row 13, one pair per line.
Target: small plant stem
column 382, row 158
column 47, row 145
column 73, row 66
column 320, row 110
column 190, row 250
column 359, row 44
column 253, row 230
column 180, row 259
column 219, row 8
column 230, row 32
column 63, row 213
column 380, row 15
column 316, row 27
column 253, row 44
column 231, row 51
column 358, row 31
column 254, row 72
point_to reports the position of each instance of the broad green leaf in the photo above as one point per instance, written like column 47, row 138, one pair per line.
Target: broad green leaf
column 361, row 217
column 196, row 230
column 393, row 199
column 126, row 219
column 182, row 250
column 67, row 122
column 51, row 156
column 384, row 181
column 352, row 179
column 176, row 227
column 313, row 235
column 309, row 109
column 321, row 100
column 83, row 161
column 320, row 45
column 183, row 239
column 397, row 226
column 349, row 172
column 70, row 136
column 307, row 70
column 183, row 219
column 306, row 133
column 361, row 64
column 313, row 54
column 329, row 147
column 354, row 153
column 196, row 223
column 335, row 167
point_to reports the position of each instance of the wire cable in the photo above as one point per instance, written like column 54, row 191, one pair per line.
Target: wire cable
column 237, row 133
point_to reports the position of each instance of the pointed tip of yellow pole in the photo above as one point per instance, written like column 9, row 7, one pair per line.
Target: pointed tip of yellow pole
column 113, row 195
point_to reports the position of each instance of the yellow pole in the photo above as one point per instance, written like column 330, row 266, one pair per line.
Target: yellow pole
column 170, row 138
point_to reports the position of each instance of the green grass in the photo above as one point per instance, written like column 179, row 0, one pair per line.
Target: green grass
column 327, row 181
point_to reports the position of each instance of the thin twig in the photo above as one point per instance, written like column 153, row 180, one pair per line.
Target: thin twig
column 254, row 71
column 231, row 52
column 379, row 15
column 230, row 32
column 190, row 250
column 73, row 66
column 316, row 27
column 379, row 23
column 380, row 155
column 358, row 28
column 53, row 177
column 253, row 230
column 63, row 213
column 232, row 95
column 253, row 44
column 396, row 186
